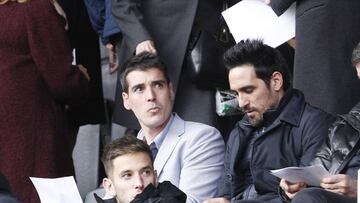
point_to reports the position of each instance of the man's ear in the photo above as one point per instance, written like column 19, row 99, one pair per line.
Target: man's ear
column 172, row 93
column 109, row 187
column 277, row 82
column 156, row 182
column 125, row 97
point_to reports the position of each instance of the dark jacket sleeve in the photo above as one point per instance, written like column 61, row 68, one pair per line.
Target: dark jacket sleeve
column 339, row 154
column 280, row 6
column 224, row 186
column 101, row 19
column 96, row 11
column 316, row 124
column 129, row 17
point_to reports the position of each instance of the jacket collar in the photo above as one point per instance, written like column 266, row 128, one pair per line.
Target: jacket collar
column 172, row 137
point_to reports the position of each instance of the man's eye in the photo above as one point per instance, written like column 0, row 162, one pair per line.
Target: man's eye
column 147, row 172
column 159, row 85
column 138, row 89
column 126, row 175
column 249, row 90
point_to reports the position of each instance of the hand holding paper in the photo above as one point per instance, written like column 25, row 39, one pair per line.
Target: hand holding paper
column 311, row 175
column 340, row 183
column 291, row 189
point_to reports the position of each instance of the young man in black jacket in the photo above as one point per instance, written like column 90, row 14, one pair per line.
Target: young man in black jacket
column 340, row 155
column 131, row 176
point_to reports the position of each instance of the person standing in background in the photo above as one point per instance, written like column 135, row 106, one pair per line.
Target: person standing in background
column 326, row 33
column 104, row 24
column 84, row 42
column 37, row 80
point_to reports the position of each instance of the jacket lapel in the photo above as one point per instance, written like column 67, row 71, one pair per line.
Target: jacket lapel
column 172, row 138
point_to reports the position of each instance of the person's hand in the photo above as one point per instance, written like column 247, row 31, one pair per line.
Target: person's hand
column 291, row 189
column 217, row 200
column 340, row 184
column 83, row 70
column 267, row 2
column 147, row 45
column 113, row 58
column 292, row 42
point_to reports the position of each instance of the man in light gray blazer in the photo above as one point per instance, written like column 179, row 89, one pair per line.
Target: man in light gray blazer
column 188, row 154
column 166, row 27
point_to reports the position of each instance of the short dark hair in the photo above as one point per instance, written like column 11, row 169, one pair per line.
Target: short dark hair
column 127, row 144
column 265, row 59
column 143, row 61
column 356, row 55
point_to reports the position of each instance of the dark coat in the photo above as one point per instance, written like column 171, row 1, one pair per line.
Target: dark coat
column 37, row 80
column 326, row 33
column 340, row 153
column 168, row 23
column 292, row 139
column 85, row 41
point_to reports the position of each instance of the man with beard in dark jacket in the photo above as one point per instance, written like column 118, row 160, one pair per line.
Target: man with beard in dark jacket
column 339, row 155
column 279, row 128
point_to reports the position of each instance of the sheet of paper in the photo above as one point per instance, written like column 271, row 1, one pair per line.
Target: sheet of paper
column 311, row 175
column 254, row 19
column 358, row 184
column 57, row 190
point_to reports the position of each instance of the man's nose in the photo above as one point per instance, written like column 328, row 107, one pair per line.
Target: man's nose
column 150, row 94
column 138, row 182
column 243, row 101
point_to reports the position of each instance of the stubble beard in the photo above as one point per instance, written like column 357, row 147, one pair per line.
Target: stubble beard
column 256, row 121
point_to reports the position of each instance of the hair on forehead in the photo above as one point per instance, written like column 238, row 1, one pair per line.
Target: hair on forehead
column 125, row 145
column 265, row 60
column 142, row 62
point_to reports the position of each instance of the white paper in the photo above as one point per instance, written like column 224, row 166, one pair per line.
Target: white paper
column 253, row 19
column 358, row 187
column 57, row 190
column 311, row 175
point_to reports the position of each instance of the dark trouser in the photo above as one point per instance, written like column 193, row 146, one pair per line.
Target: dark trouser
column 318, row 195
column 4, row 198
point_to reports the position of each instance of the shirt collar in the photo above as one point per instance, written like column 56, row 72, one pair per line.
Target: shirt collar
column 159, row 138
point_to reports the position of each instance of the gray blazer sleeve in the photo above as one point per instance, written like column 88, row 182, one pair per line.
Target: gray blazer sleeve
column 128, row 16
column 280, row 6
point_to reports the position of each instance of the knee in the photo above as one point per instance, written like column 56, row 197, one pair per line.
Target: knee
column 309, row 195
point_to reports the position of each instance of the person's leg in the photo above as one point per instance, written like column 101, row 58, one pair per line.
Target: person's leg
column 318, row 195
column 5, row 198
